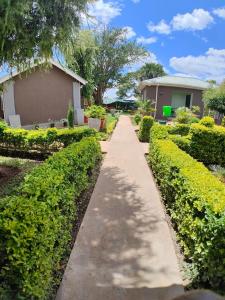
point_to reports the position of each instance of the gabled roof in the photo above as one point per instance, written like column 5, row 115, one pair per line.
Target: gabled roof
column 176, row 81
column 52, row 62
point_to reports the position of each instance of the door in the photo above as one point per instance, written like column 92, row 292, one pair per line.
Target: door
column 1, row 108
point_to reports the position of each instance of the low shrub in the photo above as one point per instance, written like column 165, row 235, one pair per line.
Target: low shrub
column 70, row 116
column 111, row 122
column 183, row 142
column 95, row 111
column 3, row 126
column 36, row 224
column 144, row 132
column 196, row 202
column 183, row 115
column 181, row 129
column 137, row 118
column 207, row 144
column 223, row 122
column 194, row 120
column 207, row 121
column 159, row 132
column 42, row 140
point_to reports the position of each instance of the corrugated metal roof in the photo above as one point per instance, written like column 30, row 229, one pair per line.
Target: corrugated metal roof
column 108, row 101
column 177, row 81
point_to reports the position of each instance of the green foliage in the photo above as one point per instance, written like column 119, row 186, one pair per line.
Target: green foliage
column 183, row 142
column 159, row 132
column 32, row 29
column 95, row 111
column 145, row 126
column 195, row 109
column 215, row 98
column 145, row 107
column 196, row 201
column 127, row 84
column 3, row 126
column 183, row 115
column 223, row 122
column 194, row 120
column 82, row 61
column 36, row 225
column 43, row 140
column 111, row 122
column 137, row 118
column 181, row 129
column 114, row 52
column 149, row 71
column 207, row 121
column 70, row 116
column 207, row 144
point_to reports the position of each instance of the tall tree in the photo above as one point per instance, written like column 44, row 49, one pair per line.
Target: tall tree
column 82, row 61
column 128, row 83
column 150, row 70
column 114, row 52
column 31, row 28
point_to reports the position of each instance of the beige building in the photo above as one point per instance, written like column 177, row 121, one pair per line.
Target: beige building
column 174, row 91
column 41, row 95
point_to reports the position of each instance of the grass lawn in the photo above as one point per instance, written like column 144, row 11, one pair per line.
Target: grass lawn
column 12, row 172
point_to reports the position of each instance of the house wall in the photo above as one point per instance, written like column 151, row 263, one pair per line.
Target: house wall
column 42, row 95
column 165, row 97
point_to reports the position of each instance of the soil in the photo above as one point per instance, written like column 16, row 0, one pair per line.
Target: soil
column 7, row 173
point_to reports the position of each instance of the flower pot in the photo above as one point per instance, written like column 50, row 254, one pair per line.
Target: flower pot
column 94, row 123
column 85, row 119
column 102, row 126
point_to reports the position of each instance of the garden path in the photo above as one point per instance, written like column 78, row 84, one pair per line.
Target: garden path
column 124, row 248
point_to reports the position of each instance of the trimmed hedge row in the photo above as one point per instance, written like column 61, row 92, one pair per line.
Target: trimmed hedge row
column 35, row 225
column 42, row 140
column 196, row 201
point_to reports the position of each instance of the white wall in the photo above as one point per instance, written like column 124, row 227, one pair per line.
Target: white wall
column 8, row 100
column 78, row 111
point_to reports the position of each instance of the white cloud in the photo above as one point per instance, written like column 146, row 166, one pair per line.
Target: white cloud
column 129, row 32
column 103, row 11
column 220, row 12
column 211, row 65
column 199, row 19
column 162, row 27
column 147, row 41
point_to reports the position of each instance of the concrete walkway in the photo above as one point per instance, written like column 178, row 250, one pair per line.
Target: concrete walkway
column 124, row 249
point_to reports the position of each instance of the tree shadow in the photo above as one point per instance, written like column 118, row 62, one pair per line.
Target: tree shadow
column 116, row 254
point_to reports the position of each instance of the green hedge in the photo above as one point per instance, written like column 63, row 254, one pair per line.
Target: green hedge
column 208, row 144
column 196, row 201
column 145, row 126
column 35, row 225
column 181, row 129
column 42, row 139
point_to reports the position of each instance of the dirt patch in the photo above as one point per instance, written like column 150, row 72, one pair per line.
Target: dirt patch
column 7, row 173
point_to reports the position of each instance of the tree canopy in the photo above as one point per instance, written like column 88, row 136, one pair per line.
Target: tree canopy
column 82, row 61
column 128, row 83
column 215, row 98
column 30, row 29
column 114, row 52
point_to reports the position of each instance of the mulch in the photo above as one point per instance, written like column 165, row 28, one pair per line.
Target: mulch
column 7, row 173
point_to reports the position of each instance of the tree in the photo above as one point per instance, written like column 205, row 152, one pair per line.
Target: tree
column 30, row 29
column 214, row 98
column 82, row 61
column 146, row 107
column 128, row 84
column 150, row 70
column 114, row 52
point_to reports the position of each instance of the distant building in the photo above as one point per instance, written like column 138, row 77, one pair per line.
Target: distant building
column 123, row 104
column 174, row 91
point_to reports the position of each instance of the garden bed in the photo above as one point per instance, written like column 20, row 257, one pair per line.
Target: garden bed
column 12, row 172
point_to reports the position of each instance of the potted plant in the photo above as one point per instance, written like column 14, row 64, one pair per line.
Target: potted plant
column 96, row 116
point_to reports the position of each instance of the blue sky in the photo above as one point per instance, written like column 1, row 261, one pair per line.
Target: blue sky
column 186, row 36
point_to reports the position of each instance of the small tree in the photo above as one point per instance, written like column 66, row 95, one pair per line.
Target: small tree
column 145, row 107
column 70, row 116
column 214, row 98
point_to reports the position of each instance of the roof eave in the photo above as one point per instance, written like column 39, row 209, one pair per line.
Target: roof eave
column 143, row 85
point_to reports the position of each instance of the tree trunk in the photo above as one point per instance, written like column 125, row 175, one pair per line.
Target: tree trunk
column 98, row 96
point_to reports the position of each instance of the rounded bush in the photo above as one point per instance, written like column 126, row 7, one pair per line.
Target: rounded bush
column 207, row 121
column 146, row 124
column 223, row 122
column 137, row 118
